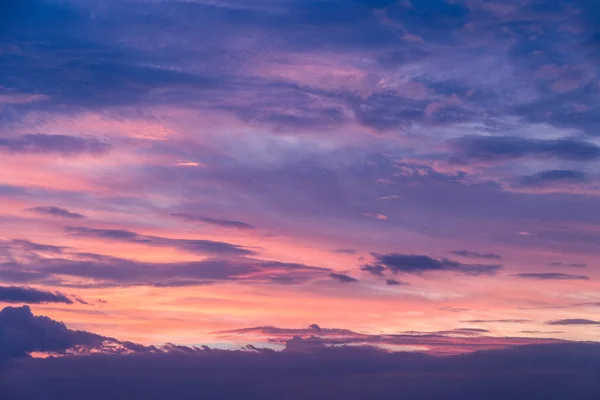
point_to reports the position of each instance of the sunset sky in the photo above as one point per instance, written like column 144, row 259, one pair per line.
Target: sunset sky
column 413, row 175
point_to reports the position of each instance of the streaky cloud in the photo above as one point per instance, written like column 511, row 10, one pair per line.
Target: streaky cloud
column 224, row 223
column 54, row 144
column 549, row 276
column 15, row 294
column 56, row 212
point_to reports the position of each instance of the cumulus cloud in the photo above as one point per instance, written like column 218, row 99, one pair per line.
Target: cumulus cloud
column 21, row 333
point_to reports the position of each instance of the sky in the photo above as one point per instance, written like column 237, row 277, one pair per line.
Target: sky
column 405, row 175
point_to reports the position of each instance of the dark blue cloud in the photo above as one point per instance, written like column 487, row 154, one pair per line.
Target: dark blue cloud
column 15, row 294
column 489, row 148
column 419, row 264
column 552, row 177
column 545, row 372
column 21, row 332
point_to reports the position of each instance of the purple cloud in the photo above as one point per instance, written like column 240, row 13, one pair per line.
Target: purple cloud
column 551, row 276
column 56, row 212
column 54, row 144
column 190, row 245
column 224, row 223
column 14, row 294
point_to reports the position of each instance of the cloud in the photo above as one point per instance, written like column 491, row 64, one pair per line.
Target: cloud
column 345, row 251
column 574, row 321
column 459, row 340
column 56, row 212
column 224, row 223
column 21, row 333
column 342, row 278
column 472, row 254
column 394, row 282
column 419, row 264
column 490, row 148
column 14, row 294
column 560, row 371
column 552, row 177
column 195, row 246
column 67, row 146
column 352, row 372
column 572, row 265
column 551, row 276
column 502, row 321
column 44, row 264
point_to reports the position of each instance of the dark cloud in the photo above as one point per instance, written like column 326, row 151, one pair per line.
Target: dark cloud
column 14, row 294
column 374, row 269
column 441, row 342
column 472, row 254
column 502, row 321
column 345, row 251
column 56, row 212
column 489, row 148
column 224, row 223
column 544, row 372
column 551, row 276
column 572, row 265
column 342, row 278
column 574, row 321
column 394, row 282
column 419, row 264
column 21, row 333
column 54, row 144
column 351, row 372
column 551, row 177
column 42, row 264
column 190, row 245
